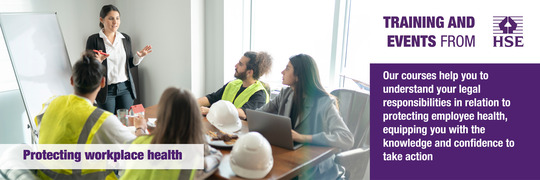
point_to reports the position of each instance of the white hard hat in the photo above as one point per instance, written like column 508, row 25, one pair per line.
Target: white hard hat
column 251, row 156
column 224, row 116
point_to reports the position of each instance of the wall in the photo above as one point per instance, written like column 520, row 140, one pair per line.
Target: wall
column 197, row 47
column 177, row 51
column 214, row 45
column 225, row 45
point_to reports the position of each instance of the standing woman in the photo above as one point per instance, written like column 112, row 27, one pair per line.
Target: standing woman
column 314, row 116
column 118, row 58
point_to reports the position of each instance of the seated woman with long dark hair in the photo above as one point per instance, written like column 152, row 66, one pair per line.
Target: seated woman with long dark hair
column 314, row 116
column 178, row 122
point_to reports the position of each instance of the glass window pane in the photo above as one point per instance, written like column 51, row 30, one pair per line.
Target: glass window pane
column 356, row 66
column 286, row 28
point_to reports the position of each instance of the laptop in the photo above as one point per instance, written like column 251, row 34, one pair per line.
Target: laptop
column 275, row 128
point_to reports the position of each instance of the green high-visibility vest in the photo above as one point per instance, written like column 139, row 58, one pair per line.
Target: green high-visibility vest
column 71, row 120
column 234, row 86
column 156, row 173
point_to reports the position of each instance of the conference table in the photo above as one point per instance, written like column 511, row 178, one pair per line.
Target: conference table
column 287, row 163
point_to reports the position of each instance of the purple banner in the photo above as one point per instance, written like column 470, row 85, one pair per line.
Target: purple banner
column 455, row 121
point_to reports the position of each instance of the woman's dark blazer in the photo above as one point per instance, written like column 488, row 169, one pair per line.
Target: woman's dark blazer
column 97, row 43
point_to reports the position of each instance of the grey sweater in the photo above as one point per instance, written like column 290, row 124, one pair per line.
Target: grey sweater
column 320, row 119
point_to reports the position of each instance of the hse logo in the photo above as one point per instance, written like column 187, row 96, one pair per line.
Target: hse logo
column 507, row 31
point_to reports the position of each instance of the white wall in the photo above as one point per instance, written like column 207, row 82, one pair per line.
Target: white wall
column 225, row 45
column 177, row 51
column 197, row 47
column 214, row 45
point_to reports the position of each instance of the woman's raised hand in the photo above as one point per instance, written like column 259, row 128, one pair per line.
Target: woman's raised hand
column 146, row 50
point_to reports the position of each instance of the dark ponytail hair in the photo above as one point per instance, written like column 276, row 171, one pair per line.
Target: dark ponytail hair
column 105, row 10
column 309, row 84
column 87, row 73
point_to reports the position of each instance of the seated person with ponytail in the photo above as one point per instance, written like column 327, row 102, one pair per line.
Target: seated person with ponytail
column 246, row 92
column 179, row 122
column 73, row 119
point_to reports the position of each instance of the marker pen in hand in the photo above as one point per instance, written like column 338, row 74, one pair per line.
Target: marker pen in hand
column 100, row 52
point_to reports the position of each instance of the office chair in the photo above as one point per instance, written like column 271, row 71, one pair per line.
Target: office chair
column 354, row 108
column 266, row 87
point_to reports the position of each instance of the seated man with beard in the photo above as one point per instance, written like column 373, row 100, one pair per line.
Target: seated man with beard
column 246, row 92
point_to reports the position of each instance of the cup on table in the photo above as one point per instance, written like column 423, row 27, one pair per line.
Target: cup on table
column 123, row 116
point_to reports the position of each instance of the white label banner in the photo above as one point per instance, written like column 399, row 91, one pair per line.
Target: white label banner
column 102, row 156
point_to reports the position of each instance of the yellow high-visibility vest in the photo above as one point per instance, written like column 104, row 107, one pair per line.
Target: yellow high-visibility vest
column 71, row 120
column 234, row 86
column 156, row 173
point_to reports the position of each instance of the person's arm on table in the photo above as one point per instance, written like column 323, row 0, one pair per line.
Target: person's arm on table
column 112, row 131
column 140, row 125
column 204, row 103
column 241, row 114
column 212, row 159
column 208, row 100
column 301, row 138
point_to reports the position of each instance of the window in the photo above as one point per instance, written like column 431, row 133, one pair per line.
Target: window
column 355, row 67
column 286, row 28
